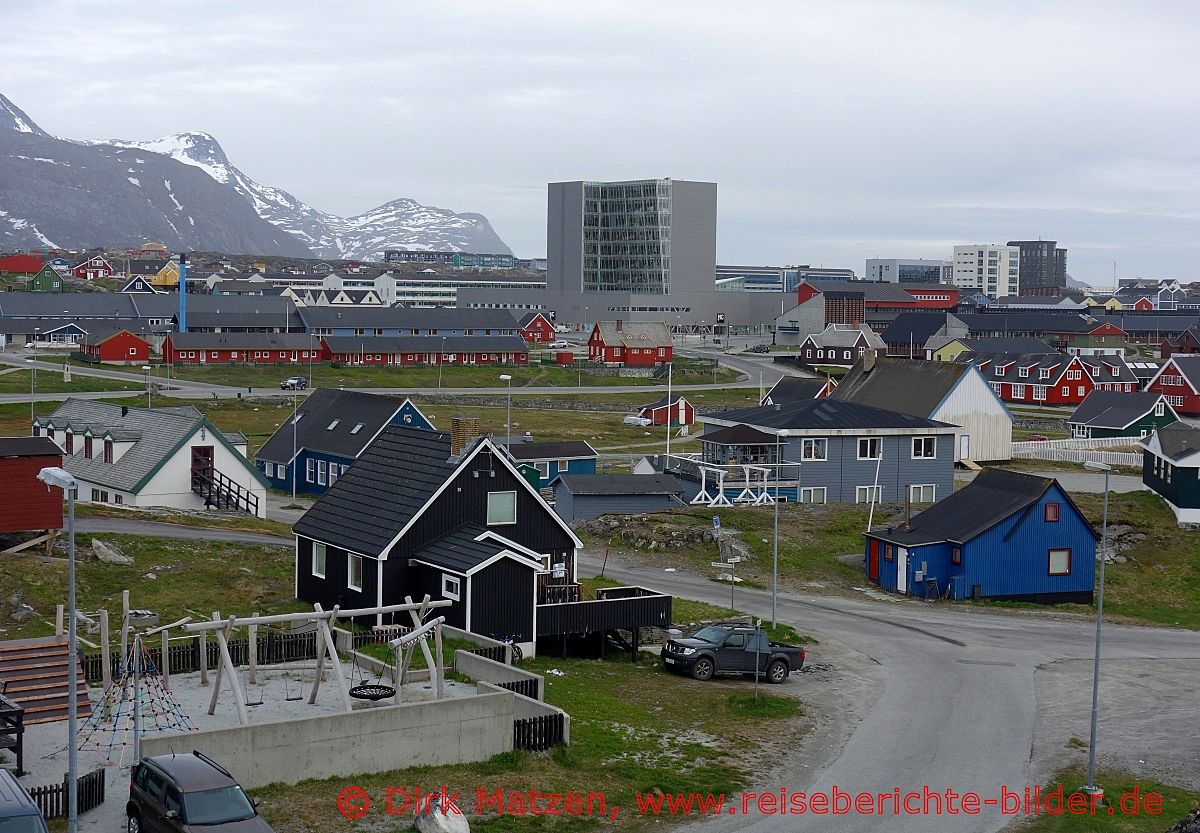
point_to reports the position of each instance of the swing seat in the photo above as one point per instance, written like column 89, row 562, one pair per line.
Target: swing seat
column 372, row 692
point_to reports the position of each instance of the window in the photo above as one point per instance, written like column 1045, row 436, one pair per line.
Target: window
column 1001, row 370
column 814, row 449
column 1081, row 390
column 1039, row 393
column 1018, row 391
column 870, row 448
column 451, row 587
column 310, row 467
column 1066, row 390
column 318, row 559
column 1072, row 374
column 1094, row 369
column 1023, row 372
column 1159, row 408
column 1174, row 401
column 1044, row 373
column 543, row 469
column 923, row 493
column 889, row 553
column 924, row 448
column 358, row 427
column 1052, row 513
column 87, row 447
column 354, row 570
column 70, row 442
column 108, row 451
column 118, row 499
column 501, row 508
column 813, row 494
column 321, row 472
column 956, row 555
column 868, row 494
column 269, row 469
column 1060, row 562
column 332, row 425
column 333, row 473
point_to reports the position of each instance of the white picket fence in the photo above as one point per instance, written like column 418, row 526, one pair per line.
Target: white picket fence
column 1099, row 442
column 1076, row 455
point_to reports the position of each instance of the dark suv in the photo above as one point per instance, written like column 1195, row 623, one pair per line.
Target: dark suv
column 731, row 648
column 184, row 793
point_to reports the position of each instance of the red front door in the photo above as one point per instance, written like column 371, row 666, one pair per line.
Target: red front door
column 873, row 561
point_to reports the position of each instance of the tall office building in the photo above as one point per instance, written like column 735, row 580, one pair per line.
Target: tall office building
column 1043, row 267
column 990, row 268
column 900, row 270
column 645, row 237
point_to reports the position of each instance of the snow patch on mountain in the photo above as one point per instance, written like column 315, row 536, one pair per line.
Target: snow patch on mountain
column 13, row 117
column 19, row 224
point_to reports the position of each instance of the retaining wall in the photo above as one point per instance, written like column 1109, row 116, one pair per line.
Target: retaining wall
column 482, row 669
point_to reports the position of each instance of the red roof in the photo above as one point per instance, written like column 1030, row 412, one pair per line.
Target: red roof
column 21, row 263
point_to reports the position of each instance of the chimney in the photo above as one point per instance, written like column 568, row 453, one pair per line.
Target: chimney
column 124, row 410
column 464, row 428
column 619, row 325
column 868, row 360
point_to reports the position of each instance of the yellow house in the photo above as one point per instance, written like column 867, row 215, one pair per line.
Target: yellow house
column 1110, row 303
column 168, row 275
column 949, row 351
column 157, row 273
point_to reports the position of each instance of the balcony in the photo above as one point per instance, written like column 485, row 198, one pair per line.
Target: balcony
column 614, row 608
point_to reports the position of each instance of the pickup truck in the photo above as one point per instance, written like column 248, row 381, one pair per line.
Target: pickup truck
column 731, row 648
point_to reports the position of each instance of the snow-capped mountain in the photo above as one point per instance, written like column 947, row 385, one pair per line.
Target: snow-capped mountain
column 399, row 224
column 178, row 190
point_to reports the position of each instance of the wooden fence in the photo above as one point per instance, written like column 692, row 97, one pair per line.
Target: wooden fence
column 538, row 733
column 185, row 655
column 527, row 687
column 52, row 799
column 1071, row 455
column 1080, row 443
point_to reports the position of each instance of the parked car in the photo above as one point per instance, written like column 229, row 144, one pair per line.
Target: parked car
column 188, row 794
column 760, row 348
column 731, row 648
column 557, row 344
column 293, row 383
column 562, row 328
column 18, row 813
column 634, row 419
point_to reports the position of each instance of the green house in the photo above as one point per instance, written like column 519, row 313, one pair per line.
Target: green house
column 1106, row 413
column 47, row 280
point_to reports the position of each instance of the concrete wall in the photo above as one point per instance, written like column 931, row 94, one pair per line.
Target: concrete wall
column 482, row 669
column 458, row 730
column 525, row 707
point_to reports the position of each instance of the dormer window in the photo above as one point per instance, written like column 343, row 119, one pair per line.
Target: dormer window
column 70, row 442
column 1023, row 372
column 1044, row 373
column 108, row 451
column 87, row 447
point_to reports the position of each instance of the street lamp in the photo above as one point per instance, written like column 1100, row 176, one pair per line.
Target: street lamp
column 146, row 370
column 1091, row 787
column 504, row 377
column 60, row 477
column 32, row 385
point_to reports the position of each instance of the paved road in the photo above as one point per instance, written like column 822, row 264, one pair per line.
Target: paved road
column 959, row 705
column 1079, row 481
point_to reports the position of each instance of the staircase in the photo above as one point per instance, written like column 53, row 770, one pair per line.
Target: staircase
column 35, row 673
column 221, row 492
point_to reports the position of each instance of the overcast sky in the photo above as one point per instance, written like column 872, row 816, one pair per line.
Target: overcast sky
column 835, row 131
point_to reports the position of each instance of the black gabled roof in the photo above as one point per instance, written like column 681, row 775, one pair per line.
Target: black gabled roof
column 1178, row 440
column 1113, row 409
column 28, row 447
column 620, row 484
column 824, row 414
column 910, row 386
column 795, row 389
column 995, row 494
column 319, row 411
column 458, row 551
column 740, row 435
column 391, row 481
column 913, row 328
column 664, row 402
column 563, row 450
column 1015, row 345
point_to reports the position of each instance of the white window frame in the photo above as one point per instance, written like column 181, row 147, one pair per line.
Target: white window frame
column 1039, row 393
column 504, row 522
column 451, row 587
column 310, row 470
column 808, row 494
column 321, row 471
column 808, row 445
column 1160, row 408
column 543, row 469
column 1050, row 561
column 269, row 469
column 879, row 448
column 918, row 445
column 862, row 494
column 351, row 560
column 318, row 547
column 916, row 492
column 1018, row 391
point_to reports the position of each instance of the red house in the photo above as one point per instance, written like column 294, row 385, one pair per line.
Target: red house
column 1055, row 379
column 418, row 351
column 27, row 504
column 1187, row 343
column 117, row 347
column 630, row 343
column 536, row 328
column 92, row 268
column 20, row 265
column 240, row 348
column 1178, row 380
column 1143, row 305
column 676, row 409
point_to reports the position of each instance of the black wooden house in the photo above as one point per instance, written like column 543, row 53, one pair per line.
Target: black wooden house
column 414, row 516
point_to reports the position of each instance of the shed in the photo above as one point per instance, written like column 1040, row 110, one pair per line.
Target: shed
column 676, row 410
column 27, row 504
column 116, row 345
column 578, row 497
column 1106, row 413
column 1007, row 536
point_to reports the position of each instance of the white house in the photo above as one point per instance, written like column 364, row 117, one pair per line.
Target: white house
column 162, row 457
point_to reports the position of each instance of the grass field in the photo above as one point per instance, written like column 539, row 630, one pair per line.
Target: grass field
column 1159, row 805
column 51, row 381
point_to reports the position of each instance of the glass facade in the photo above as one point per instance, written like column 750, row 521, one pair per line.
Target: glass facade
column 919, row 273
column 627, row 236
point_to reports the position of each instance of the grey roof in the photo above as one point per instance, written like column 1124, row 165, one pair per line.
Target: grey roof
column 1016, row 345
column 794, row 389
column 564, row 450
column 1067, row 321
column 740, row 435
column 145, row 267
column 824, row 414
column 1110, row 369
column 1113, row 409
column 101, row 331
column 871, row 290
column 157, row 434
column 620, row 484
column 242, row 341
column 345, row 411
column 1189, row 368
column 458, row 551
column 845, row 335
column 1178, row 440
column 664, row 402
column 28, row 447
column 910, row 386
column 635, row 333
column 913, row 328
column 426, row 344
column 392, row 480
column 995, row 494
column 409, row 318
column 1160, row 324
column 68, row 305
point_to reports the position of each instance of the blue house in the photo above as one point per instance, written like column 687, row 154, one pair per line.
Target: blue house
column 329, row 432
column 1006, row 536
column 554, row 458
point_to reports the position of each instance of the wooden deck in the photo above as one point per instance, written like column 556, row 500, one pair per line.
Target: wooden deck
column 615, row 608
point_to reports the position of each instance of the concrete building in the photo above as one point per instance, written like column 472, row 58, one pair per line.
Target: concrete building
column 901, row 270
column 1043, row 267
column 775, row 278
column 988, row 267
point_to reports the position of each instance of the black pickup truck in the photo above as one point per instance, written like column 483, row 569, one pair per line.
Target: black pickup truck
column 731, row 648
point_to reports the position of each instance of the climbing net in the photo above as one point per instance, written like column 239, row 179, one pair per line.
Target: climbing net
column 136, row 691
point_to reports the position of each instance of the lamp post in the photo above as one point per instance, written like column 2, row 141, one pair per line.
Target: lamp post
column 32, row 388
column 295, row 419
column 310, row 357
column 504, row 377
column 441, row 361
column 1091, row 787
column 146, row 370
column 56, row 476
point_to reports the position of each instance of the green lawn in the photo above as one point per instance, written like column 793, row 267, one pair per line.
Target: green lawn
column 1153, row 816
column 51, row 381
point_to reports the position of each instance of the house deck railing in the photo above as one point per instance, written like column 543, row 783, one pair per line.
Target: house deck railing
column 615, row 608
column 220, row 491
